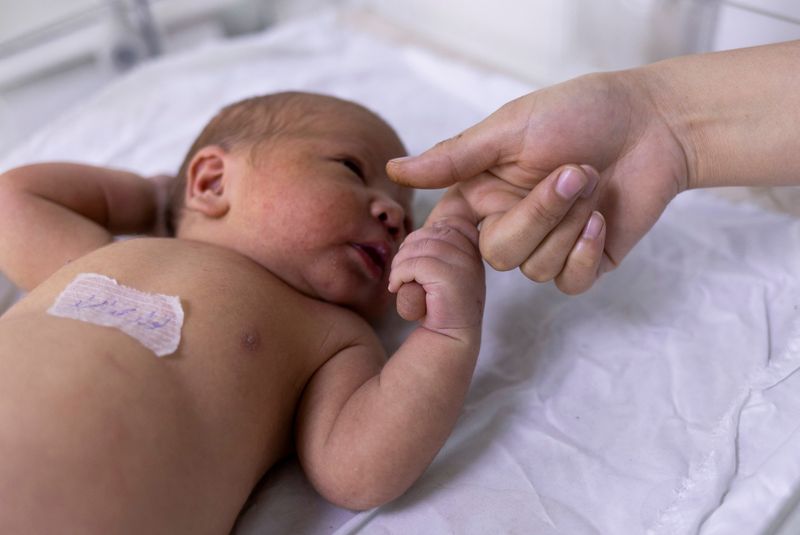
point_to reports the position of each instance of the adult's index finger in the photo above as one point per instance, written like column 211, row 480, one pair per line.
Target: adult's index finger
column 459, row 158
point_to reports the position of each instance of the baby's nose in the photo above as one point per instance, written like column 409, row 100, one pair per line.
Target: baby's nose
column 391, row 214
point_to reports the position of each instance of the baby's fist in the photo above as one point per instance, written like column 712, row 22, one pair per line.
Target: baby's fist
column 443, row 260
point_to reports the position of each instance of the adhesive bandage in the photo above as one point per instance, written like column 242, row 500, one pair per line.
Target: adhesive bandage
column 155, row 320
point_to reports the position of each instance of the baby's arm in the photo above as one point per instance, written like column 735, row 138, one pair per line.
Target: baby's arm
column 366, row 433
column 52, row 213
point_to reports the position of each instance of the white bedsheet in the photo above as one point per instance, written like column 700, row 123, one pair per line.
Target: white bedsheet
column 663, row 401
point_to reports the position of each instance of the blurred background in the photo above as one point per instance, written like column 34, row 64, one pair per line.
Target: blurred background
column 56, row 53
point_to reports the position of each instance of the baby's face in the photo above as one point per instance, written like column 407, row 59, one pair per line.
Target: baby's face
column 318, row 210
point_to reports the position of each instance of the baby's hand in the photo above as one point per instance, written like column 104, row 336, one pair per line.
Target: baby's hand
column 443, row 259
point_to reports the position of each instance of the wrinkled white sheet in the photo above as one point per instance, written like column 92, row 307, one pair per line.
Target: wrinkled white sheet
column 663, row 401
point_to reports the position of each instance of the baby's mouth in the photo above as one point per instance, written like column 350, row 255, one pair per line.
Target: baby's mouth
column 376, row 254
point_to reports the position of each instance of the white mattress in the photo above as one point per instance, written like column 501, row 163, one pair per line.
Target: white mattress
column 663, row 401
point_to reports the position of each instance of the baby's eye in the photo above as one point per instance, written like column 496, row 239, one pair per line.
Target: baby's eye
column 354, row 167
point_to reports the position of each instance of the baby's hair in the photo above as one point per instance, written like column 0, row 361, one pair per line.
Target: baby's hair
column 248, row 124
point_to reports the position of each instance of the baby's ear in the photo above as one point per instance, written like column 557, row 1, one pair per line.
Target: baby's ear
column 206, row 182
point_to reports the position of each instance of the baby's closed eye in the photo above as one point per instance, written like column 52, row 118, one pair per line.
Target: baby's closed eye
column 353, row 165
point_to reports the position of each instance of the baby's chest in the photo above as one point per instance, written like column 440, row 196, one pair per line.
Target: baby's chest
column 261, row 346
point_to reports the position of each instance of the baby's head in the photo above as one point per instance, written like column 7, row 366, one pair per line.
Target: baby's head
column 297, row 182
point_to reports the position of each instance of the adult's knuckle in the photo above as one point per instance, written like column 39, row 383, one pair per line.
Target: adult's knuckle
column 446, row 148
column 544, row 215
column 496, row 255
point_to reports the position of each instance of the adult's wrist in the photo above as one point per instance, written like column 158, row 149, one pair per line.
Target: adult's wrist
column 669, row 104
column 734, row 113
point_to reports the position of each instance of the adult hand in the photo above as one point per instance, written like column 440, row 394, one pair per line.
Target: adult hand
column 510, row 170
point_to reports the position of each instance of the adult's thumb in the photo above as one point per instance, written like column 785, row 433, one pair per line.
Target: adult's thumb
column 459, row 158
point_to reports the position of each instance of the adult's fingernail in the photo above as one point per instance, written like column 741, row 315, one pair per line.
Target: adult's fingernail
column 569, row 183
column 593, row 228
column 400, row 159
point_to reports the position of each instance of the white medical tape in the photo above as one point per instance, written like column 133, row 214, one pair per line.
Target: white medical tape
column 155, row 320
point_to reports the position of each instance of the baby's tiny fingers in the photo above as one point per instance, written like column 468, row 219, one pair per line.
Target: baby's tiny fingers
column 422, row 269
column 437, row 240
column 583, row 263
